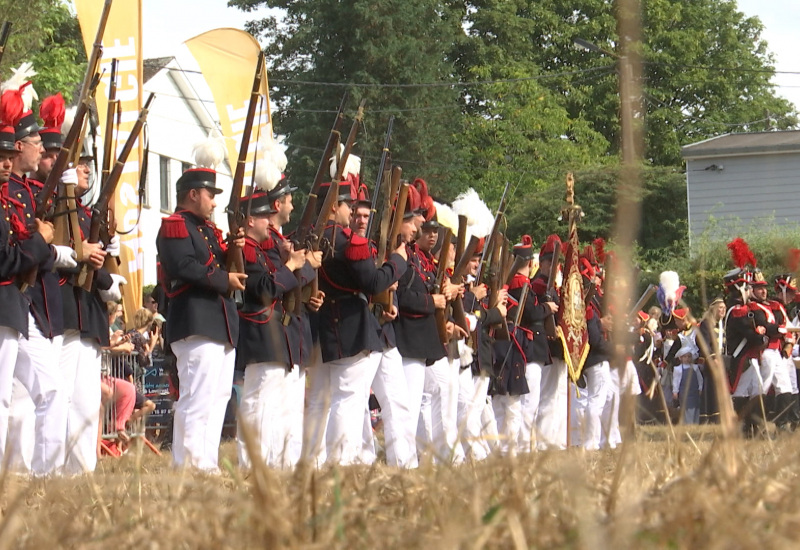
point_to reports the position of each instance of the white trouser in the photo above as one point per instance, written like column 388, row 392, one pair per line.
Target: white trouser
column 294, row 411
column 414, row 371
column 9, row 346
column 597, row 381
column 508, row 411
column 611, row 436
column 349, row 386
column 530, row 408
column 38, row 370
column 267, row 392
column 21, row 430
column 368, row 452
column 759, row 375
column 317, row 411
column 783, row 379
column 551, row 420
column 80, row 362
column 472, row 394
column 441, row 381
column 577, row 411
column 391, row 390
column 205, row 371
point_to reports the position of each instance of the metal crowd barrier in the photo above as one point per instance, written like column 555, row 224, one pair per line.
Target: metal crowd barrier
column 113, row 369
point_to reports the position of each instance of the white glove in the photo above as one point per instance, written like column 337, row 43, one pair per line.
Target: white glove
column 65, row 257
column 113, row 247
column 70, row 175
column 113, row 294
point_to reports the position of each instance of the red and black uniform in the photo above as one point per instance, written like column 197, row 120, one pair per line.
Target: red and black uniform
column 415, row 326
column 599, row 346
column 195, row 280
column 483, row 342
column 20, row 252
column 543, row 350
column 85, row 311
column 348, row 276
column 263, row 338
column 512, row 356
column 44, row 296
column 744, row 340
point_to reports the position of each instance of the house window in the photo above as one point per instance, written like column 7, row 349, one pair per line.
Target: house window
column 164, row 184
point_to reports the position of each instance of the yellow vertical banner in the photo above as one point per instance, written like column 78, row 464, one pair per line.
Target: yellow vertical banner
column 227, row 59
column 122, row 41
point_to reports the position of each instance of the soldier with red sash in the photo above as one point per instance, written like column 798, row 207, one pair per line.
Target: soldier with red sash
column 20, row 251
column 202, row 321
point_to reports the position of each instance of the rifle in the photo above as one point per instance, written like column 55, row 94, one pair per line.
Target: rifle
column 457, row 305
column 386, row 298
column 550, row 321
column 234, row 262
column 333, row 194
column 113, row 105
column 490, row 239
column 5, row 32
column 386, row 219
column 304, row 227
column 501, row 332
column 440, row 314
column 381, row 170
column 100, row 208
column 643, row 299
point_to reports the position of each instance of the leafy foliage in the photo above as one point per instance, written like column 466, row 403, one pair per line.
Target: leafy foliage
column 46, row 33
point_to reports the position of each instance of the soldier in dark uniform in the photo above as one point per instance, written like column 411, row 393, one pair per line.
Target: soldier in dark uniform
column 202, row 321
column 787, row 406
column 551, row 418
column 270, row 374
column 348, row 332
column 36, row 368
column 20, row 252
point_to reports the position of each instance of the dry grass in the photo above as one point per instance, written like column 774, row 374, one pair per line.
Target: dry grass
column 669, row 494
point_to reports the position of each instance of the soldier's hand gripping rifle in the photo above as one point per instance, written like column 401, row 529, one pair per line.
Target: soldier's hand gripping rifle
column 441, row 273
column 5, row 32
column 550, row 294
column 234, row 261
column 100, row 208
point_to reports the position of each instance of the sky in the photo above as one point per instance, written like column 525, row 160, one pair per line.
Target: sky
column 167, row 23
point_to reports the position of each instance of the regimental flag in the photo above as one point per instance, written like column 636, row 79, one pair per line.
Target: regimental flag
column 572, row 310
column 228, row 59
column 122, row 41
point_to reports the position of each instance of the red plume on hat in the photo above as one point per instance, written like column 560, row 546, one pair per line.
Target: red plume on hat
column 413, row 202
column 741, row 253
column 11, row 107
column 52, row 111
column 426, row 201
column 599, row 245
column 549, row 247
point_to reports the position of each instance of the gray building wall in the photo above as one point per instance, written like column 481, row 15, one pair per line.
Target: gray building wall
column 748, row 190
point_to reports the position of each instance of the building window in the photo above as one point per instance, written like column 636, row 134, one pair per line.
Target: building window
column 164, row 184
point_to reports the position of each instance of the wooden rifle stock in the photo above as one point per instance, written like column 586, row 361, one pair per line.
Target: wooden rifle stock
column 550, row 321
column 386, row 298
column 457, row 305
column 388, row 214
column 111, row 112
column 234, row 260
column 100, row 209
column 487, row 250
column 501, row 332
column 441, row 272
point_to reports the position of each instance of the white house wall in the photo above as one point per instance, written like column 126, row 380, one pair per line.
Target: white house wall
column 746, row 191
column 173, row 128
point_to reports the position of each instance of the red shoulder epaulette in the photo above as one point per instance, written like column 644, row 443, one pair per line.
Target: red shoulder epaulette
column 358, row 249
column 174, row 227
column 518, row 281
column 268, row 243
column 739, row 311
column 249, row 252
column 539, row 286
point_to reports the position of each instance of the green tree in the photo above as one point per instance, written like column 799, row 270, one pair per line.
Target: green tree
column 46, row 33
column 368, row 42
column 686, row 44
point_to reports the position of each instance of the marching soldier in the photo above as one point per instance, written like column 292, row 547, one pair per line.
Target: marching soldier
column 36, row 369
column 270, row 375
column 20, row 252
column 202, row 321
column 787, row 404
column 348, row 332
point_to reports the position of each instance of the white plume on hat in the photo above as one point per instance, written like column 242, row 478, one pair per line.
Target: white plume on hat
column 210, row 153
column 352, row 166
column 270, row 167
column 66, row 126
column 446, row 217
column 479, row 218
column 19, row 77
